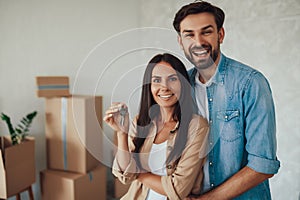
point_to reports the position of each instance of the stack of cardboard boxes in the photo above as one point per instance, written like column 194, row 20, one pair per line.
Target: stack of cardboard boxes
column 72, row 121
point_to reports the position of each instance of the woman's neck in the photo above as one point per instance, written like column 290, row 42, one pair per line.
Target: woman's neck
column 166, row 115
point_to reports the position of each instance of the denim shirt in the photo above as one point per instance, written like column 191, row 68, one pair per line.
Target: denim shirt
column 242, row 125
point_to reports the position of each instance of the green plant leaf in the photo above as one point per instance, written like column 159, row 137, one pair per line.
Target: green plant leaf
column 18, row 134
column 18, row 130
column 6, row 118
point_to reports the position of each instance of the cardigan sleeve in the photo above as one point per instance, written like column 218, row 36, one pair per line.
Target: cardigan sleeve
column 131, row 171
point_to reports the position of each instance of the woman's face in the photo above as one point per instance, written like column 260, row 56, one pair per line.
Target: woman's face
column 165, row 85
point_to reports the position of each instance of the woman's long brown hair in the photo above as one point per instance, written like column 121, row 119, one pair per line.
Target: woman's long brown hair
column 149, row 109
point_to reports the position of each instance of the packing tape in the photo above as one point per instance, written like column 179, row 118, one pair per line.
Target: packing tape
column 91, row 176
column 64, row 111
column 53, row 87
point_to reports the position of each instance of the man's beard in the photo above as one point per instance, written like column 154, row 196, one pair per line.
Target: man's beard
column 204, row 64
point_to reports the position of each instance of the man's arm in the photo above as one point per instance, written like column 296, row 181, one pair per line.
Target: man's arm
column 239, row 183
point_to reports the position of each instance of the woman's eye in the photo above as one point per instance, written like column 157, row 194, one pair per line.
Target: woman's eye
column 155, row 80
column 173, row 79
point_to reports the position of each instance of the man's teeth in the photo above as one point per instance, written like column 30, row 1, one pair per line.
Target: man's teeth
column 199, row 53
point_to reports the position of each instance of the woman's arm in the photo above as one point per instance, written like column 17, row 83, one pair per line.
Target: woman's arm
column 124, row 167
column 123, row 156
column 179, row 184
column 152, row 181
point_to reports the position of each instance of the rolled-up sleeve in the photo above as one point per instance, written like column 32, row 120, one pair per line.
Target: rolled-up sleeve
column 129, row 174
column 131, row 171
column 260, row 126
column 180, row 183
column 263, row 165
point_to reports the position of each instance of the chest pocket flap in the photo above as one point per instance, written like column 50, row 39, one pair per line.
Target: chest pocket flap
column 227, row 115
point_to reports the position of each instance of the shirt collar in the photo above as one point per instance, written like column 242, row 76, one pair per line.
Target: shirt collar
column 218, row 77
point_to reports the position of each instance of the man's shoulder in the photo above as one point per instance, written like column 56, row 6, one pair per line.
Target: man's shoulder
column 233, row 64
column 233, row 67
column 236, row 71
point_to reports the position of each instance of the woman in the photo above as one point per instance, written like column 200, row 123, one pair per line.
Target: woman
column 163, row 153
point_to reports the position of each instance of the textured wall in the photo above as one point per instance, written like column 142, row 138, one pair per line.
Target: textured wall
column 53, row 38
column 264, row 34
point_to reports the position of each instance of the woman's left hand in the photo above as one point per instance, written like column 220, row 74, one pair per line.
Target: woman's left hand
column 117, row 117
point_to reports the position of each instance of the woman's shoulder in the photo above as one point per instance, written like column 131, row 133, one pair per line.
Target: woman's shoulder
column 198, row 129
column 198, row 120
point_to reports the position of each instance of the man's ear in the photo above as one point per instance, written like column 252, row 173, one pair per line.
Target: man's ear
column 221, row 35
column 179, row 40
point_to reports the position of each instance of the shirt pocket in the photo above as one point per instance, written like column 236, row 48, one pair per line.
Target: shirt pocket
column 229, row 121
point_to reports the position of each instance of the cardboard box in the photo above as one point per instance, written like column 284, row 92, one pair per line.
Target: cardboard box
column 52, row 86
column 17, row 166
column 60, row 185
column 120, row 188
column 73, row 132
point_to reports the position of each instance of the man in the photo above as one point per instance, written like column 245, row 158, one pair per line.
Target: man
column 237, row 102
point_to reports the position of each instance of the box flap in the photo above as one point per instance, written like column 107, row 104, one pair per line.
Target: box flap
column 3, row 190
column 52, row 80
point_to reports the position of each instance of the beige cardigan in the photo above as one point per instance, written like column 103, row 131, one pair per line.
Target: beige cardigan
column 183, row 178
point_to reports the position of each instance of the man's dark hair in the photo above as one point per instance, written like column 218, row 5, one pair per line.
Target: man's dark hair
column 196, row 8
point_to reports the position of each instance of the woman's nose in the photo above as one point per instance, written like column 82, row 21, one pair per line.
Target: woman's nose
column 164, row 84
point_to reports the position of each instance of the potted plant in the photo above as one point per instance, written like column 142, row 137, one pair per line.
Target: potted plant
column 19, row 133
column 17, row 157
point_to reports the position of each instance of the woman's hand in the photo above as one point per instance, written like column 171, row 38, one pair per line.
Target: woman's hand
column 117, row 117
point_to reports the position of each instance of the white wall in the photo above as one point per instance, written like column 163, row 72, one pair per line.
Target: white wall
column 85, row 40
column 50, row 38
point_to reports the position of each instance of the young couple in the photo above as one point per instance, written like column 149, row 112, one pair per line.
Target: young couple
column 225, row 149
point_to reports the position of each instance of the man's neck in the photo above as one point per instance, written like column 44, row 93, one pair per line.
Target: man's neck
column 206, row 74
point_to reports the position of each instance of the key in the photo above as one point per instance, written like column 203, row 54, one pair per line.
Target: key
column 123, row 112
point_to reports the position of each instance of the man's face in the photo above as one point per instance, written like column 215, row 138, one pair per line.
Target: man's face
column 200, row 40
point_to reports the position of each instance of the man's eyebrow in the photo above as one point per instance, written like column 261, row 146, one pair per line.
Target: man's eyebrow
column 204, row 28
column 187, row 31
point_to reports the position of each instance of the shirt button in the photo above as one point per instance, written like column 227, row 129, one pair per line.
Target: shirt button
column 212, row 185
column 210, row 99
column 210, row 163
column 210, row 143
column 210, row 121
column 226, row 117
column 169, row 166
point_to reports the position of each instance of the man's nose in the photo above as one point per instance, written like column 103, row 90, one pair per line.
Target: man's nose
column 198, row 40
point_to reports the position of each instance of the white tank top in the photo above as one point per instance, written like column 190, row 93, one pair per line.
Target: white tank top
column 157, row 165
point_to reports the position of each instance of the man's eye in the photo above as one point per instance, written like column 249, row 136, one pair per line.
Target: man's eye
column 188, row 35
column 206, row 32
